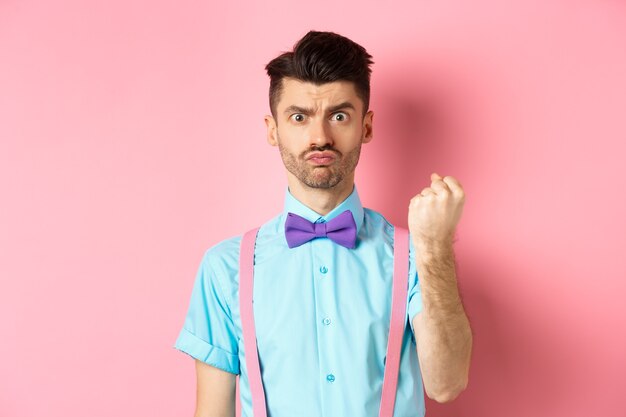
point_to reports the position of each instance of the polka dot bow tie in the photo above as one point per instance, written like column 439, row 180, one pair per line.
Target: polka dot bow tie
column 341, row 230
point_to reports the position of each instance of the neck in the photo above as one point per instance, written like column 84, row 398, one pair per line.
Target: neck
column 321, row 200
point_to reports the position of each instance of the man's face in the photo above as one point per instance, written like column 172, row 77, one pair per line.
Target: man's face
column 319, row 130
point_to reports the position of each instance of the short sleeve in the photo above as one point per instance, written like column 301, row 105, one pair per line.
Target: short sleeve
column 414, row 303
column 208, row 333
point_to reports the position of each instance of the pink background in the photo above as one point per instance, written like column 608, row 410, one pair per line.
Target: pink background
column 132, row 139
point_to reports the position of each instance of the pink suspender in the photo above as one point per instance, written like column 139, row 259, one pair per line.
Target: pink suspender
column 246, row 267
column 396, row 328
column 398, row 320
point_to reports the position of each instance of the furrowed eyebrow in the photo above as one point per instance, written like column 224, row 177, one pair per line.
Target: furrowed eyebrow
column 297, row 109
column 344, row 105
column 307, row 111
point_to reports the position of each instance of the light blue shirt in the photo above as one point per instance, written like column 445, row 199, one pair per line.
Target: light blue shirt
column 321, row 314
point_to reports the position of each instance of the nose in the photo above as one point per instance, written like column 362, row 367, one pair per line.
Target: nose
column 320, row 134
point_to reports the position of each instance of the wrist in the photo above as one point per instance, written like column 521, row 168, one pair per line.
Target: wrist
column 432, row 248
column 433, row 244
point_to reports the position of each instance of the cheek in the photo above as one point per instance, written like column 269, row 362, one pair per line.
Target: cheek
column 289, row 132
column 289, row 141
column 349, row 136
column 293, row 137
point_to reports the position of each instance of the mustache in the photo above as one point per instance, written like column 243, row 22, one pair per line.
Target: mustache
column 320, row 149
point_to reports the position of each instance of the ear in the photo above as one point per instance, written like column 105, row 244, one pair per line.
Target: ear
column 368, row 133
column 270, row 123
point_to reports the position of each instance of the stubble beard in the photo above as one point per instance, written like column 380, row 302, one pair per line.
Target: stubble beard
column 324, row 177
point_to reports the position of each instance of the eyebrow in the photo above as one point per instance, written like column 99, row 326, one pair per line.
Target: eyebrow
column 307, row 111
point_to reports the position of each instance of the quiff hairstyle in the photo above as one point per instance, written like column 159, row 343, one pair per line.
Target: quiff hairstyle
column 322, row 57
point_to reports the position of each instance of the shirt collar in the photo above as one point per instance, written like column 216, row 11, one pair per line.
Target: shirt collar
column 352, row 203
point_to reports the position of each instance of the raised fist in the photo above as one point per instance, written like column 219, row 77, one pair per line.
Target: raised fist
column 435, row 212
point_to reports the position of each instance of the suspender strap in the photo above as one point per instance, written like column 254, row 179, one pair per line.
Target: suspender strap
column 396, row 327
column 398, row 320
column 246, row 265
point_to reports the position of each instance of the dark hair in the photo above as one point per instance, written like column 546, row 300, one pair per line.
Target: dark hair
column 322, row 57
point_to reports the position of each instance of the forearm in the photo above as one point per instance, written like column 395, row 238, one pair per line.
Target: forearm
column 444, row 342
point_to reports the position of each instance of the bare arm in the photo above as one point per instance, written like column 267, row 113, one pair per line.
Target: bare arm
column 442, row 330
column 215, row 395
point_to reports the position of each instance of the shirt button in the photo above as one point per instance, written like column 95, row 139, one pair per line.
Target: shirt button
column 330, row 378
column 323, row 269
column 326, row 321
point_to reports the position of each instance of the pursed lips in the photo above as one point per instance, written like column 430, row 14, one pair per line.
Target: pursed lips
column 321, row 158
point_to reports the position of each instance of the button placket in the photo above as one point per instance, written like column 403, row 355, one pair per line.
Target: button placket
column 323, row 257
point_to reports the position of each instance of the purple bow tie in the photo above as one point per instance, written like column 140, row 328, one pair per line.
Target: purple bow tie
column 341, row 230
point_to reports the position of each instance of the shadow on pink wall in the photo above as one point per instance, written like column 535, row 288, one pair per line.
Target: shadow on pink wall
column 426, row 127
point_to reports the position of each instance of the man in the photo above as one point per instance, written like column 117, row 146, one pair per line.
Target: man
column 322, row 309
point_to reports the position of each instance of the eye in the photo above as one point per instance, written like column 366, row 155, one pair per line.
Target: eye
column 340, row 116
column 298, row 117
